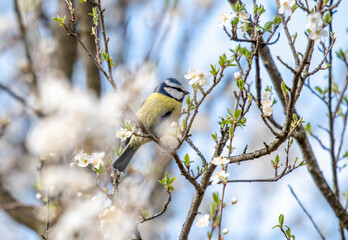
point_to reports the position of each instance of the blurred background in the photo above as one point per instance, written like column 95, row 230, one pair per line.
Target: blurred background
column 150, row 41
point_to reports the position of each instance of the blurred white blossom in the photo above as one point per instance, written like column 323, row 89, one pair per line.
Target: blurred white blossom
column 225, row 19
column 58, row 179
column 314, row 21
column 237, row 75
column 219, row 176
column 286, row 6
column 267, row 95
column 79, row 219
column 316, row 34
column 244, row 27
column 71, row 117
column 220, row 160
column 234, row 200
column 38, row 195
column 225, row 231
column 243, row 16
column 123, row 133
column 203, row 221
column 169, row 134
column 267, row 107
column 97, row 159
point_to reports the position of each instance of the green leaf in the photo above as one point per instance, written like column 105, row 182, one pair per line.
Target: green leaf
column 277, row 20
column 144, row 213
column 295, row 160
column 230, row 132
column 186, row 159
column 294, row 117
column 345, row 154
column 308, row 128
column 281, row 220
column 276, row 160
column 216, row 197
column 211, row 209
column 284, row 89
column 240, row 83
column 341, row 54
column 287, row 231
column 118, row 151
column 319, row 89
column 38, row 185
column 237, row 113
column 268, row 26
column 327, row 18
column 214, row 135
column 302, row 163
column 276, row 226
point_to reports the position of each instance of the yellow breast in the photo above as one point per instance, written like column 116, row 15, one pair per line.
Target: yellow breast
column 151, row 115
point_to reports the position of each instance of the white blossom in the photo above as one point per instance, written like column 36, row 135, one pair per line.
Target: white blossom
column 65, row 179
column 38, row 195
column 225, row 19
column 243, row 16
column 220, row 160
column 123, row 133
column 83, row 159
column 244, row 27
column 234, row 200
column 225, row 231
column 197, row 78
column 267, row 110
column 316, row 34
column 237, row 75
column 203, row 221
column 315, row 26
column 314, row 21
column 286, row 6
column 267, row 107
column 266, row 103
column 267, row 95
column 219, row 176
column 97, row 159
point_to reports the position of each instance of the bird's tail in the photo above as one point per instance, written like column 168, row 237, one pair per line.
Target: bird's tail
column 123, row 160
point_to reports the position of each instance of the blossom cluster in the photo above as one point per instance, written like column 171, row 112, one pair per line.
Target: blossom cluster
column 83, row 159
column 222, row 174
column 315, row 26
column 225, row 19
column 197, row 78
column 266, row 104
column 71, row 117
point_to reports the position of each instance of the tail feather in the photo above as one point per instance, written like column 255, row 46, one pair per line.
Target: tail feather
column 123, row 160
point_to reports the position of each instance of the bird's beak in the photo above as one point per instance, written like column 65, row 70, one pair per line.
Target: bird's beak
column 186, row 92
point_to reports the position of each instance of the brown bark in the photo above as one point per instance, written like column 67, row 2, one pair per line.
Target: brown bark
column 86, row 23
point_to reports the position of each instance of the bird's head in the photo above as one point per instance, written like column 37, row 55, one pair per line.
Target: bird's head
column 172, row 88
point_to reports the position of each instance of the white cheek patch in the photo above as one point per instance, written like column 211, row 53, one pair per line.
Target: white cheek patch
column 174, row 93
column 171, row 84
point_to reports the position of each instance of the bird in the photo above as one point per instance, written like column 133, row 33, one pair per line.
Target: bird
column 157, row 113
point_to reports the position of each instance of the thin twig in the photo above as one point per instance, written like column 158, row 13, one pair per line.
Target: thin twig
column 204, row 162
column 26, row 43
column 306, row 212
column 164, row 208
column 20, row 99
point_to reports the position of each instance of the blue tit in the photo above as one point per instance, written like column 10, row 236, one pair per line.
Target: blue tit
column 158, row 111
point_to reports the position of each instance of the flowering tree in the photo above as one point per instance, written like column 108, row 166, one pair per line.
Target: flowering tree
column 75, row 134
